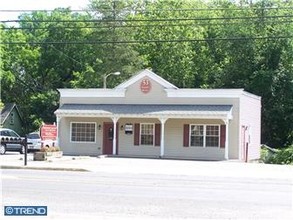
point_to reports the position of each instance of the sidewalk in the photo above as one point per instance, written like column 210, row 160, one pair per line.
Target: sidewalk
column 150, row 166
column 16, row 161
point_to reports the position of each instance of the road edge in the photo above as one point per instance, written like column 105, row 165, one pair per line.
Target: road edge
column 43, row 168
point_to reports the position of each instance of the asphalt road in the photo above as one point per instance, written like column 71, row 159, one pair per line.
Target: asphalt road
column 102, row 195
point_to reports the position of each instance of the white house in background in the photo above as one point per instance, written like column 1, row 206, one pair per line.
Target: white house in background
column 147, row 116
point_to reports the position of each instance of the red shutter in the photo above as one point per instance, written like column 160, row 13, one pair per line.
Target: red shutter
column 136, row 134
column 117, row 137
column 222, row 136
column 186, row 135
column 157, row 134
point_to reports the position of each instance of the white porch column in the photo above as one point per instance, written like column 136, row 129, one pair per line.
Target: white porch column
column 58, row 119
column 162, row 149
column 227, row 140
column 115, row 120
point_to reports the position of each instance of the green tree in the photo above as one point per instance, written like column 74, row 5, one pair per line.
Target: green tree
column 107, row 55
column 236, row 45
column 34, row 68
column 208, row 44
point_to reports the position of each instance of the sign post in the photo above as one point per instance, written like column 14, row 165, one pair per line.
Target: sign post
column 25, row 151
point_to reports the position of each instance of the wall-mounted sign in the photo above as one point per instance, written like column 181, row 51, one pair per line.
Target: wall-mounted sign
column 48, row 132
column 128, row 128
column 145, row 85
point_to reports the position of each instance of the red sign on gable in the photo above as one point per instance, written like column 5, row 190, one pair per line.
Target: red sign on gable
column 145, row 86
column 48, row 132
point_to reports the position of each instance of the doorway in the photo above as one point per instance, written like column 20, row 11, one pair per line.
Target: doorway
column 108, row 136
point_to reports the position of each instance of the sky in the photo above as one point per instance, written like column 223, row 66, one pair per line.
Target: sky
column 37, row 5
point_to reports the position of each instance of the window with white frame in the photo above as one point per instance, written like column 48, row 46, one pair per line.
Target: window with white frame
column 204, row 135
column 212, row 135
column 197, row 135
column 147, row 134
column 83, row 132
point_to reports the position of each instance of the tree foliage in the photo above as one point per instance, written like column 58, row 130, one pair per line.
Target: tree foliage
column 192, row 44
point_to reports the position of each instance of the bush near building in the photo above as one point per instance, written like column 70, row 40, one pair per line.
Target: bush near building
column 277, row 156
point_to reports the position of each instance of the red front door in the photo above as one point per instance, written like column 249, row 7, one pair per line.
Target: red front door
column 108, row 138
column 108, row 135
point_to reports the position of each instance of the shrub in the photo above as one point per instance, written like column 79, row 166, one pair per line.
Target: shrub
column 49, row 149
column 44, row 149
column 283, row 156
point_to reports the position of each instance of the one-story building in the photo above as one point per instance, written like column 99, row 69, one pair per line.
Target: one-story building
column 147, row 116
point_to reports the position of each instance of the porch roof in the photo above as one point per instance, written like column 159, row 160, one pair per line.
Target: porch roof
column 133, row 110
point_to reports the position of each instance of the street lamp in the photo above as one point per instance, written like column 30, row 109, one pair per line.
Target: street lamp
column 106, row 76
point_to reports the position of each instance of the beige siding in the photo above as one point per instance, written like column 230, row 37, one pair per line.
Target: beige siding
column 74, row 148
column 251, row 117
column 174, row 142
column 157, row 94
column 126, row 141
column 233, row 129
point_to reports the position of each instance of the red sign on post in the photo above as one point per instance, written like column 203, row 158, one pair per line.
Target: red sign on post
column 48, row 132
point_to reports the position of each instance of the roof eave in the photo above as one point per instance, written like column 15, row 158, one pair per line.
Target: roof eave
column 143, row 73
column 91, row 93
column 93, row 113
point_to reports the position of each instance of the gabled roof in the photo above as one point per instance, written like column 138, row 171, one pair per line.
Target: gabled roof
column 171, row 90
column 146, row 73
column 5, row 112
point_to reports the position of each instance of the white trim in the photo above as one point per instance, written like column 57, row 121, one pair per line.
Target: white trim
column 209, row 93
column 96, row 113
column 204, row 93
column 205, row 135
column 78, row 122
column 219, row 135
column 146, row 73
column 173, row 92
column 140, row 129
column 227, row 140
column 198, row 136
column 250, row 95
column 91, row 93
column 13, row 106
column 58, row 120
column 162, row 141
column 115, row 120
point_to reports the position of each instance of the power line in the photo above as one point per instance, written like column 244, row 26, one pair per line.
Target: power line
column 66, row 55
column 242, row 8
column 149, row 41
column 149, row 20
column 145, row 26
